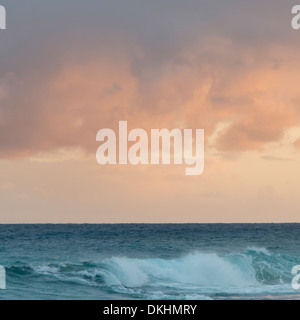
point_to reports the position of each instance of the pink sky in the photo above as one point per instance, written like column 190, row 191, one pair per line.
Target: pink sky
column 74, row 70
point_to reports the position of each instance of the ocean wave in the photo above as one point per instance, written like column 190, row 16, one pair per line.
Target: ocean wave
column 196, row 275
column 194, row 269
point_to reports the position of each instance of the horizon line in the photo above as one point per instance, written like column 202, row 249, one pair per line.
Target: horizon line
column 139, row 223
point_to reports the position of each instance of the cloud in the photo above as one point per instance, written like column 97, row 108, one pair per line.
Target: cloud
column 195, row 65
column 270, row 158
column 297, row 143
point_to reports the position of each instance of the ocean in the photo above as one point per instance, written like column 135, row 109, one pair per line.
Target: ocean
column 149, row 261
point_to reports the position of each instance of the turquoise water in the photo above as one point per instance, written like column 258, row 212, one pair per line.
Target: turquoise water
column 150, row 261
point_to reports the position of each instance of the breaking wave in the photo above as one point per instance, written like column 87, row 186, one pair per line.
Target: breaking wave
column 194, row 276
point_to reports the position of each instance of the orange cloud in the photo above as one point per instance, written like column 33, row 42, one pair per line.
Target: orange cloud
column 218, row 80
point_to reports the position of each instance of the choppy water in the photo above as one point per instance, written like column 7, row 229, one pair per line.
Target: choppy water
column 159, row 261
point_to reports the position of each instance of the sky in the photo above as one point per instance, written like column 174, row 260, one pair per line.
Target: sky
column 69, row 68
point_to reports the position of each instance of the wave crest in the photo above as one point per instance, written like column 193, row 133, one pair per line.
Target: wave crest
column 197, row 275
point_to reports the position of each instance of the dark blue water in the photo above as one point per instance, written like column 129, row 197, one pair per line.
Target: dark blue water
column 144, row 261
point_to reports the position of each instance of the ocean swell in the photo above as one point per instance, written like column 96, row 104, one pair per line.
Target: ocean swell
column 193, row 276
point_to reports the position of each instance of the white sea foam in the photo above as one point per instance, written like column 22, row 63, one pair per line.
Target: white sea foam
column 194, row 269
column 194, row 276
